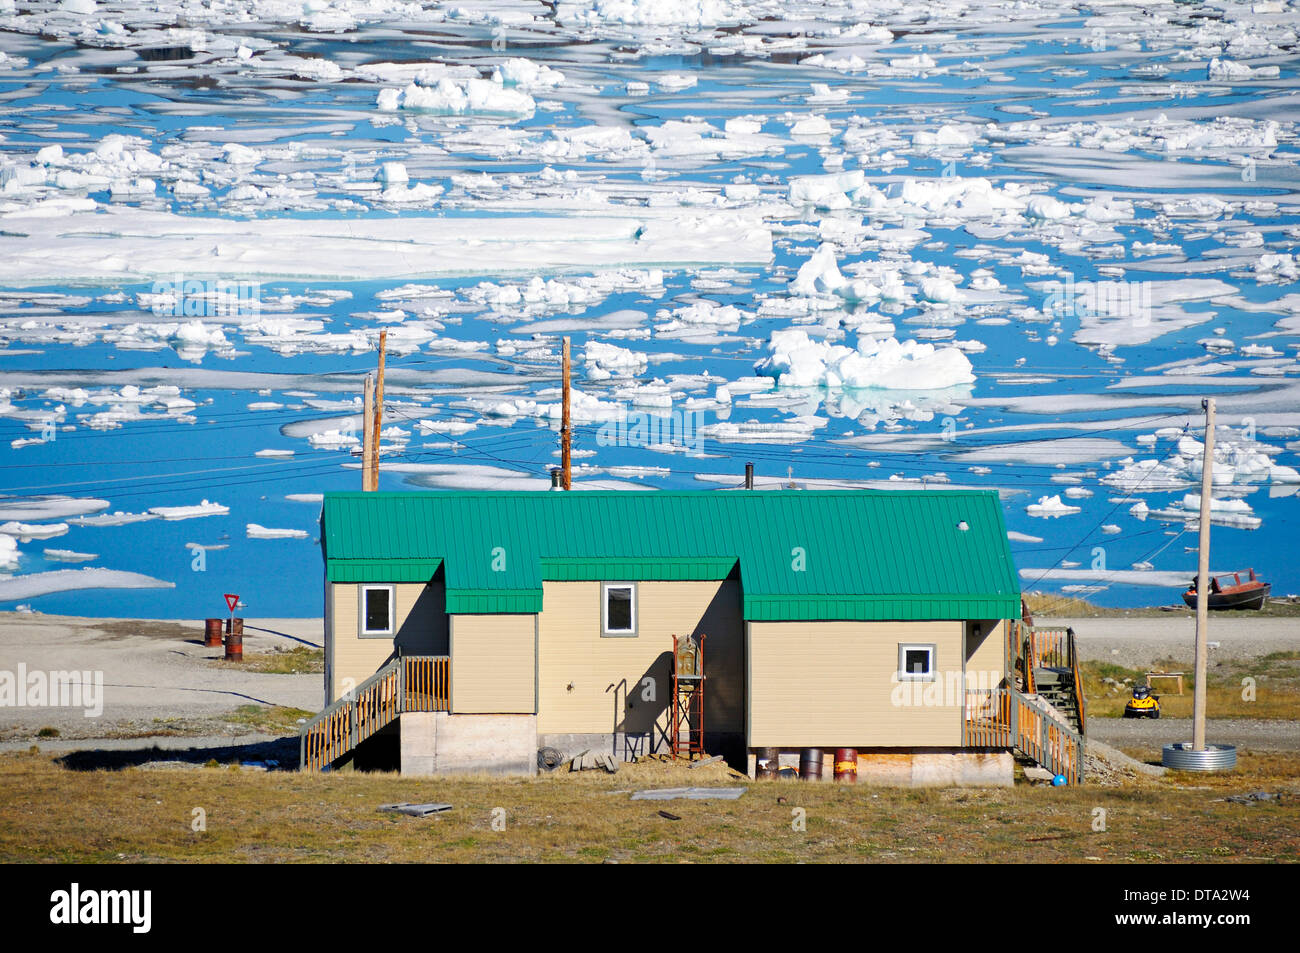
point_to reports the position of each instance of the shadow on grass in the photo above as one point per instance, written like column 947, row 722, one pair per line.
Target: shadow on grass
column 280, row 754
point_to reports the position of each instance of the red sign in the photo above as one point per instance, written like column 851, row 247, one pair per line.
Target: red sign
column 232, row 600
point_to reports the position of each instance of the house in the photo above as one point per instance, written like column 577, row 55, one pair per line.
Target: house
column 467, row 630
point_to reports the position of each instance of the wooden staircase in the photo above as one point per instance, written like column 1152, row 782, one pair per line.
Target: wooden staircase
column 1046, row 721
column 1056, row 687
column 1050, row 669
column 407, row 683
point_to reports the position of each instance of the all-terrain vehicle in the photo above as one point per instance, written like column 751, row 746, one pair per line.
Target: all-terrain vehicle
column 1143, row 704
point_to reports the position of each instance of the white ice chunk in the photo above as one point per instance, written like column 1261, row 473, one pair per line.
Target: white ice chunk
column 189, row 512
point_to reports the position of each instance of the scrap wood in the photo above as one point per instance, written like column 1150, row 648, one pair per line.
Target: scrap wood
column 699, row 764
column 414, row 810
column 671, row 817
column 586, row 761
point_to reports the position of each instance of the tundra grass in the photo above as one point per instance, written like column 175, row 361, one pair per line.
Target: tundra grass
column 52, row 813
column 1266, row 688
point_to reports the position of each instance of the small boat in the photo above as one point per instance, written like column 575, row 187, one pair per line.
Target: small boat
column 1250, row 594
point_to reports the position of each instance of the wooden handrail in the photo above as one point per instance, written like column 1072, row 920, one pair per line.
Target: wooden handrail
column 1080, row 702
column 1050, row 647
column 407, row 683
column 1006, row 718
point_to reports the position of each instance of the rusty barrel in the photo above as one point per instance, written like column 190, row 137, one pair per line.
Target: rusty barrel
column 235, row 640
column 767, row 764
column 810, row 764
column 846, row 765
column 212, row 632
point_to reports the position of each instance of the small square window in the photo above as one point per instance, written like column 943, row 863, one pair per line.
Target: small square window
column 915, row 663
column 376, row 610
column 618, row 611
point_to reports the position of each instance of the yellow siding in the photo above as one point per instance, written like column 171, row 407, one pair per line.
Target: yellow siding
column 607, row 674
column 421, row 630
column 830, row 684
column 985, row 656
column 492, row 664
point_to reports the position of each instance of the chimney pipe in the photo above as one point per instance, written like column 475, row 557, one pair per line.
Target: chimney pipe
column 749, row 476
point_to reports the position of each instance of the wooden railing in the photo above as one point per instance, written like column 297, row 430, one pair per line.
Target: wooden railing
column 407, row 683
column 1080, row 702
column 427, row 683
column 988, row 719
column 1048, row 647
column 1005, row 718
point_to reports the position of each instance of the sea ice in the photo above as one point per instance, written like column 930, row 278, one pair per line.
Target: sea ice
column 796, row 360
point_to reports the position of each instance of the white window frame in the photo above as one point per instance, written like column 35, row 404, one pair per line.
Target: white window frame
column 386, row 633
column 903, row 674
column 605, row 630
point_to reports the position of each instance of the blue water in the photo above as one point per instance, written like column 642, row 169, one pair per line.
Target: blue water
column 170, row 463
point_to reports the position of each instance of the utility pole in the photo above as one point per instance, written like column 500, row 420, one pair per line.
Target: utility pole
column 379, row 413
column 566, row 437
column 1203, row 582
column 367, row 441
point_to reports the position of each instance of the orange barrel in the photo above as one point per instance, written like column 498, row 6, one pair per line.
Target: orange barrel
column 235, row 641
column 846, row 765
column 212, row 632
column 767, row 764
column 810, row 764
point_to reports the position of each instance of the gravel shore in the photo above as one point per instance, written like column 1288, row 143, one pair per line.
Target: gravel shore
column 154, row 672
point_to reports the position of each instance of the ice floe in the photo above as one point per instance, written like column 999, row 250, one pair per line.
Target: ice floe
column 257, row 531
column 1051, row 507
column 201, row 509
column 797, row 360
column 32, row 585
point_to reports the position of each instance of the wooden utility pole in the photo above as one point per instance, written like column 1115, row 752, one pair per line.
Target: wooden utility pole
column 1203, row 582
column 379, row 413
column 367, row 441
column 566, row 438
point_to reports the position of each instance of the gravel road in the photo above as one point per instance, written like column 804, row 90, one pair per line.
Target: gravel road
column 1245, row 734
column 1136, row 643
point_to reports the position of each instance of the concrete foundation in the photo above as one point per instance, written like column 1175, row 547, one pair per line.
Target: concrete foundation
column 437, row 742
column 918, row 768
column 623, row 746
column 630, row 746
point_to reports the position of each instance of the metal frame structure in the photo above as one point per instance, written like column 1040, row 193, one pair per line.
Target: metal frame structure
column 687, row 738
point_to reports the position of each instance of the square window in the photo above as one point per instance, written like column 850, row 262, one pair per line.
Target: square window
column 376, row 610
column 915, row 663
column 618, row 611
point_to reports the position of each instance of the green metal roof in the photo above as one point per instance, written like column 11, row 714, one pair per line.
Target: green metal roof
column 802, row 555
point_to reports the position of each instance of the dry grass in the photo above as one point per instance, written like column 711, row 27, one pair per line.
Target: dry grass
column 50, row 813
column 299, row 660
column 1276, row 688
